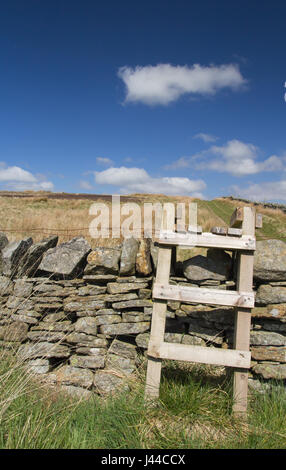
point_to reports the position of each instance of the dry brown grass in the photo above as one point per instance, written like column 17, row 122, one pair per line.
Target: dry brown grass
column 40, row 215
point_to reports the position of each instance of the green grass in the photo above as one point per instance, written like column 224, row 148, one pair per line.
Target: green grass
column 274, row 221
column 194, row 412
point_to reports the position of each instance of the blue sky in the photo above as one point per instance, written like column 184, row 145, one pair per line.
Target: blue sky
column 175, row 97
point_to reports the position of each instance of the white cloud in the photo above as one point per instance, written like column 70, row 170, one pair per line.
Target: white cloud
column 104, row 161
column 137, row 180
column 239, row 158
column 235, row 157
column 164, row 83
column 121, row 176
column 205, row 137
column 15, row 173
column 17, row 179
column 270, row 191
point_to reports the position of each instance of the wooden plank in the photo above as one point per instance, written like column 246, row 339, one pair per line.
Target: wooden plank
column 234, row 232
column 207, row 240
column 243, row 316
column 200, row 354
column 258, row 221
column 203, row 295
column 237, row 218
column 195, row 229
column 154, row 365
column 219, row 230
column 180, row 218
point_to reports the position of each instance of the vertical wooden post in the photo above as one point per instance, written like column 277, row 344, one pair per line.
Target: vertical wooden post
column 243, row 315
column 153, row 376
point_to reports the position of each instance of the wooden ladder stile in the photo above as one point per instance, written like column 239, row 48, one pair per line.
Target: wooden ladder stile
column 242, row 241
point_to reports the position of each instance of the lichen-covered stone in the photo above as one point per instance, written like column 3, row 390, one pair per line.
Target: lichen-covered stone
column 16, row 331
column 81, row 339
column 63, row 326
column 66, row 260
column 270, row 371
column 267, row 338
column 128, row 256
column 124, row 365
column 273, row 311
column 143, row 258
column 95, row 361
column 6, row 286
column 31, row 260
column 200, row 268
column 270, row 260
column 123, row 349
column 44, row 335
column 87, row 325
column 130, row 317
column 108, row 319
column 22, row 288
column 103, row 261
column 43, row 349
column 120, row 297
column 38, row 366
column 69, row 375
column 122, row 287
column 142, row 340
column 84, row 305
column 12, row 254
column 91, row 290
column 99, row 278
column 125, row 328
column 106, row 382
column 193, row 340
column 268, row 294
column 136, row 303
column 268, row 353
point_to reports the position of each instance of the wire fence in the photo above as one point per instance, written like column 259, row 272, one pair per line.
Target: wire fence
column 138, row 232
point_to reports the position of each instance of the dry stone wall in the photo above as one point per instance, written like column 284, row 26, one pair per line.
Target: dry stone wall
column 80, row 318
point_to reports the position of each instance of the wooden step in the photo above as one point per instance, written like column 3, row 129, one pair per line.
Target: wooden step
column 200, row 295
column 207, row 240
column 200, row 354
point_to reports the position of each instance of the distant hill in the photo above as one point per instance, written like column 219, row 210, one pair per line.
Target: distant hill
column 41, row 213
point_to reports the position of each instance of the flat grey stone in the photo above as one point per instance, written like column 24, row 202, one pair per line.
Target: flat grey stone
column 66, row 260
column 130, row 247
column 31, row 260
column 270, row 260
column 216, row 265
column 103, row 261
column 12, row 255
column 106, row 382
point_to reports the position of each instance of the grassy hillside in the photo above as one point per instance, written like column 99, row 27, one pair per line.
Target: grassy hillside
column 43, row 214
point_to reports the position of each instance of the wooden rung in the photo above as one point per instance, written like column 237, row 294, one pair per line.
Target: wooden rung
column 203, row 295
column 200, row 354
column 207, row 240
column 237, row 218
